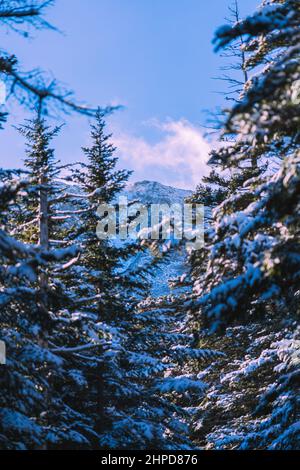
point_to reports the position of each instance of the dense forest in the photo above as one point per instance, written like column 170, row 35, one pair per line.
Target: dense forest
column 95, row 360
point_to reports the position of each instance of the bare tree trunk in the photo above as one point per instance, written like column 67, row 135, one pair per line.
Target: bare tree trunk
column 43, row 280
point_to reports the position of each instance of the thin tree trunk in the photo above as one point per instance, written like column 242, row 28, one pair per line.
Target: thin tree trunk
column 43, row 280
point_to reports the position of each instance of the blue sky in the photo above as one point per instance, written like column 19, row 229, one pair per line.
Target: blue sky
column 153, row 56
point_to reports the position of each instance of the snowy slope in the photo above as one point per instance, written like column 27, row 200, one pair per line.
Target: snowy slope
column 152, row 192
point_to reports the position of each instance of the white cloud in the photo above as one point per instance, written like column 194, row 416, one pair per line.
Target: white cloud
column 178, row 158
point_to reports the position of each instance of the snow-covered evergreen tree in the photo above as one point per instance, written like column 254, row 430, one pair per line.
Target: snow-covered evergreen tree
column 34, row 411
column 92, row 360
column 251, row 279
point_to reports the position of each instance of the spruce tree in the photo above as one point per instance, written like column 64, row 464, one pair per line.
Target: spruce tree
column 102, row 183
column 250, row 286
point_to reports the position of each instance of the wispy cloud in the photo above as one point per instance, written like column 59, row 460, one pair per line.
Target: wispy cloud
column 177, row 158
